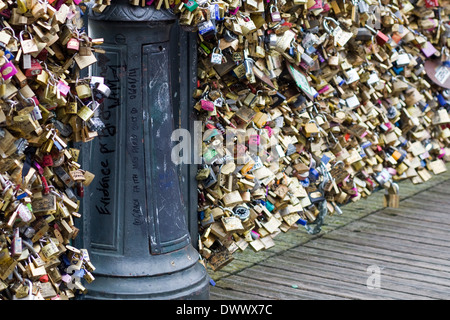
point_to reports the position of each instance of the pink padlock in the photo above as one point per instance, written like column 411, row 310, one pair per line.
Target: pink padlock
column 318, row 5
column 269, row 130
column 388, row 125
column 207, row 105
column 73, row 44
column 8, row 70
column 63, row 88
column 254, row 140
column 431, row 3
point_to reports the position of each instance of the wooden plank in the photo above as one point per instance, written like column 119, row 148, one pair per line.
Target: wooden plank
column 435, row 268
column 387, row 242
column 311, row 285
column 269, row 289
column 414, row 226
column 366, row 250
column 343, row 286
column 323, row 271
column 218, row 293
column 395, row 219
column 397, row 232
column 403, row 228
column 347, row 259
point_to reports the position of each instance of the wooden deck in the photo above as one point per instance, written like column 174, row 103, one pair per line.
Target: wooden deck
column 410, row 246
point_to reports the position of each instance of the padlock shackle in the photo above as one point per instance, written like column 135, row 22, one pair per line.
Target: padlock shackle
column 327, row 27
column 23, row 32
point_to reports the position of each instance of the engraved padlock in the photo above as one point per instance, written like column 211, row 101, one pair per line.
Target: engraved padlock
column 83, row 91
column 8, row 70
column 34, row 69
column 86, row 112
column 28, row 45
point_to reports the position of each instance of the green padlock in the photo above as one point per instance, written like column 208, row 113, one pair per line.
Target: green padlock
column 191, row 5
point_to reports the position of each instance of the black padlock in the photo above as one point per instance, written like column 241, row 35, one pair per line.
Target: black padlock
column 277, row 99
column 363, row 34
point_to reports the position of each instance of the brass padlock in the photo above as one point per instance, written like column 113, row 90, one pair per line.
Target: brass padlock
column 28, row 45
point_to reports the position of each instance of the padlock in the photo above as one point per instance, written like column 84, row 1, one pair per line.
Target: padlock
column 73, row 44
column 83, row 91
column 28, row 45
column 85, row 113
column 34, row 69
column 274, row 14
column 8, row 70
column 380, row 37
column 29, row 296
column 191, row 5
column 340, row 36
column 216, row 56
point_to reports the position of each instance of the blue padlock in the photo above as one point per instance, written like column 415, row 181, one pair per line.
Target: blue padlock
column 441, row 100
column 9, row 55
column 313, row 174
column 269, row 206
column 304, row 183
column 397, row 70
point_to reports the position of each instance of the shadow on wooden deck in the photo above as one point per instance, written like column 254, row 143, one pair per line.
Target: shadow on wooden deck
column 368, row 252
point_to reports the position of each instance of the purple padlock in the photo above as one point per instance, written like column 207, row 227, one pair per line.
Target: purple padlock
column 428, row 50
column 275, row 14
column 8, row 70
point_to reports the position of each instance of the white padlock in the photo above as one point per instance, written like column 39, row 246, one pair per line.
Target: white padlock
column 216, row 58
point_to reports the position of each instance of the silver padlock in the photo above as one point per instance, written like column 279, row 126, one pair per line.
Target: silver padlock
column 402, row 60
column 216, row 57
column 103, row 89
column 273, row 39
column 308, row 60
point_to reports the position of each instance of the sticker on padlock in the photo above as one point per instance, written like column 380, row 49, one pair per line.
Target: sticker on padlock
column 216, row 56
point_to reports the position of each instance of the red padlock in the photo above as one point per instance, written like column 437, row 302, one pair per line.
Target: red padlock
column 80, row 190
column 381, row 38
column 431, row 3
column 35, row 69
column 47, row 161
column 45, row 185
